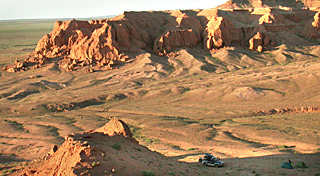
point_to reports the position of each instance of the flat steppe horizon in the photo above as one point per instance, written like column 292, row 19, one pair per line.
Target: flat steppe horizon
column 45, row 9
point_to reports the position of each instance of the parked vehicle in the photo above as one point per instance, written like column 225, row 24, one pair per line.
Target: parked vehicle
column 210, row 160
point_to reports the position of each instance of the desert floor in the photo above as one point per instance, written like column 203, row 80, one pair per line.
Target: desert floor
column 180, row 111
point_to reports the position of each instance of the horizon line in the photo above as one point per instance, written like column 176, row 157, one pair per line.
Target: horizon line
column 54, row 18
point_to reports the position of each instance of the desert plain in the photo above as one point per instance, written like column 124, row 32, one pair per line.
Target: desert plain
column 253, row 109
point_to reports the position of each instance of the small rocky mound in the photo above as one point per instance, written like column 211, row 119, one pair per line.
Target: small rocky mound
column 246, row 93
column 109, row 150
column 115, row 127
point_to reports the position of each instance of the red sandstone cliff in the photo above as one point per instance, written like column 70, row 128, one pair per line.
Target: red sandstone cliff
column 101, row 44
column 270, row 3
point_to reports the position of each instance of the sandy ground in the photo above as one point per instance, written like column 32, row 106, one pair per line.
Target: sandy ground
column 179, row 111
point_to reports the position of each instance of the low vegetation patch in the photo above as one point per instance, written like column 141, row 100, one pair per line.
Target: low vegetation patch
column 16, row 125
column 136, row 133
column 116, row 146
column 191, row 149
column 148, row 173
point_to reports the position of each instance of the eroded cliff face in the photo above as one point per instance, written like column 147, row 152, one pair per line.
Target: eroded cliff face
column 270, row 3
column 102, row 44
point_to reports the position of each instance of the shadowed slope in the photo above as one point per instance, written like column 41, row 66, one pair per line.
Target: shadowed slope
column 107, row 150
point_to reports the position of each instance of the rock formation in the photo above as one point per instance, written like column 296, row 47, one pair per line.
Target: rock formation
column 103, row 44
column 312, row 28
column 220, row 32
column 270, row 3
column 80, row 153
column 287, row 111
column 259, row 41
column 316, row 22
column 115, row 127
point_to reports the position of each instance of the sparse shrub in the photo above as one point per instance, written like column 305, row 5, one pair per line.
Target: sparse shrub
column 175, row 147
column 282, row 147
column 191, row 149
column 116, row 146
column 15, row 124
column 151, row 140
column 148, row 173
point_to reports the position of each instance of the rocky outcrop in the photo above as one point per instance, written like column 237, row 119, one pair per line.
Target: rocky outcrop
column 316, row 21
column 115, row 127
column 270, row 3
column 176, row 38
column 104, row 44
column 272, row 18
column 287, row 111
column 220, row 32
column 259, row 41
column 96, row 153
column 81, row 153
column 311, row 30
column 256, row 42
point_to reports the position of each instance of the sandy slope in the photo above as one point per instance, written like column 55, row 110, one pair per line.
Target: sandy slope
column 171, row 109
column 110, row 150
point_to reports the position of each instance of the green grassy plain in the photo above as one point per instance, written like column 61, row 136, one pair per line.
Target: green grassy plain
column 18, row 37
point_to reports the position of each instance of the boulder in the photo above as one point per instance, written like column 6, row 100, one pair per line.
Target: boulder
column 53, row 150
